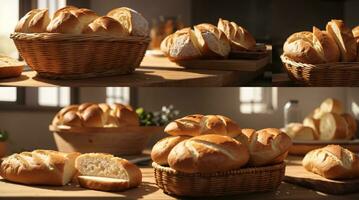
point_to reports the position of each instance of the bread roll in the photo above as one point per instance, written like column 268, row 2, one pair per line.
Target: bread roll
column 314, row 124
column 333, row 126
column 352, row 125
column 332, row 162
column 125, row 115
column 331, row 105
column 10, row 67
column 318, row 113
column 267, row 146
column 211, row 41
column 108, row 166
column 344, row 39
column 93, row 116
column 207, row 154
column 106, row 26
column 103, row 183
column 131, row 20
column 162, row 148
column 64, row 9
column 194, row 125
column 298, row 131
column 326, row 46
column 39, row 167
column 34, row 21
column 239, row 37
column 299, row 47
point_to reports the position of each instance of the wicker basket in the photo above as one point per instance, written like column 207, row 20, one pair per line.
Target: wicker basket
column 117, row 141
column 328, row 74
column 246, row 180
column 68, row 56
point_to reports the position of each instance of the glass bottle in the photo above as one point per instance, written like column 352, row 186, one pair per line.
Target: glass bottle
column 291, row 112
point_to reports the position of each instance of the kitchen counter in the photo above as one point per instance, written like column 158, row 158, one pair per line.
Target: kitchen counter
column 154, row 71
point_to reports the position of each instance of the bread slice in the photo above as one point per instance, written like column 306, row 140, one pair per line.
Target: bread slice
column 298, row 131
column 107, row 166
column 10, row 67
column 103, row 184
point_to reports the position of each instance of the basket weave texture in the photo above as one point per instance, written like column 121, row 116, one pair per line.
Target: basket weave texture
column 328, row 74
column 246, row 180
column 69, row 56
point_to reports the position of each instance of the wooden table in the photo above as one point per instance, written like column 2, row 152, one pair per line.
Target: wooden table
column 148, row 190
column 154, row 71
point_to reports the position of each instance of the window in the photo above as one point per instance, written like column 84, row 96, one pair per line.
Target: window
column 9, row 16
column 54, row 97
column 118, row 95
column 8, row 94
column 257, row 100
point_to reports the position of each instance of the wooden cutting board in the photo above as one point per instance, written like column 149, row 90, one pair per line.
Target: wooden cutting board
column 296, row 174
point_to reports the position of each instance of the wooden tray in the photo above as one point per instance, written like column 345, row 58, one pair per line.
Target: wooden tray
column 302, row 147
column 296, row 174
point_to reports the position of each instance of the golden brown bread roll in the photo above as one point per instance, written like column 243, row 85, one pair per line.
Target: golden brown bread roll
column 344, row 39
column 298, row 131
column 266, row 147
column 125, row 115
column 239, row 37
column 211, row 41
column 162, row 148
column 326, row 46
column 352, row 125
column 332, row 162
column 207, row 154
column 194, row 125
column 106, row 26
column 333, row 126
column 64, row 9
column 34, row 21
column 130, row 19
column 94, row 165
column 331, row 105
column 39, row 167
column 312, row 123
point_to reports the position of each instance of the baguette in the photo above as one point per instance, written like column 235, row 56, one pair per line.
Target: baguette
column 332, row 162
column 207, row 154
column 39, row 167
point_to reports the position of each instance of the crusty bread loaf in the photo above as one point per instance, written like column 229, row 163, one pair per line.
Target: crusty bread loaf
column 239, row 37
column 266, row 146
column 298, row 131
column 332, row 162
column 162, row 148
column 10, row 67
column 333, row 126
column 130, row 19
column 181, row 45
column 352, row 125
column 211, row 41
column 103, row 183
column 66, row 23
column 207, row 154
column 39, row 167
column 312, row 123
column 326, row 46
column 331, row 105
column 194, row 125
column 108, row 166
column 64, row 9
column 106, row 26
column 35, row 21
column 344, row 38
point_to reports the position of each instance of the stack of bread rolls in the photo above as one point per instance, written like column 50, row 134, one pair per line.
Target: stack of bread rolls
column 92, row 170
column 119, row 22
column 213, row 143
column 96, row 115
column 335, row 44
column 327, row 122
column 332, row 162
column 207, row 41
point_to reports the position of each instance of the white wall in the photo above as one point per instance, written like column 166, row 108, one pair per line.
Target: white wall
column 29, row 129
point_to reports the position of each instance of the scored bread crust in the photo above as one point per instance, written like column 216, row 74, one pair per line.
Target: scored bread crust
column 333, row 126
column 106, row 26
column 194, row 125
column 103, row 184
column 326, row 46
column 64, row 9
column 162, row 148
column 130, row 19
column 207, row 154
column 332, row 162
column 239, row 37
column 344, row 38
column 266, row 146
column 39, row 167
column 106, row 165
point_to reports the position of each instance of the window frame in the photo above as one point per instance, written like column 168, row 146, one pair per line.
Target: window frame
column 269, row 98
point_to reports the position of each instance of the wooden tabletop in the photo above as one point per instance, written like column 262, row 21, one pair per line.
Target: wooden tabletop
column 147, row 190
column 154, row 71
